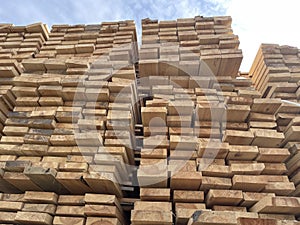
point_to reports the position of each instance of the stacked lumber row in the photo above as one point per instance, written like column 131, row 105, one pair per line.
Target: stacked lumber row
column 210, row 150
column 7, row 102
column 261, row 133
column 47, row 208
column 287, row 118
column 16, row 43
column 290, row 125
column 9, row 68
column 115, row 41
column 72, row 127
column 21, row 42
column 249, row 160
column 213, row 141
column 155, row 208
column 174, row 47
column 275, row 72
column 252, row 172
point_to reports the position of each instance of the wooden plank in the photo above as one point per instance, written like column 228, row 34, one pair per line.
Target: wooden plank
column 211, row 60
column 46, row 208
column 158, row 113
column 223, row 197
column 20, row 181
column 67, row 210
column 68, row 140
column 280, row 188
column 210, row 112
column 275, row 168
column 253, row 116
column 267, row 138
column 11, row 206
column 234, row 137
column 74, row 166
column 63, row 220
column 157, row 153
column 217, row 217
column 151, row 217
column 102, row 220
column 186, row 180
column 247, row 168
column 256, row 221
column 5, row 186
column 7, row 217
column 183, row 142
column 34, row 150
column 73, row 182
column 184, row 211
column 13, row 197
column 102, row 210
column 237, row 113
column 15, row 131
column 40, row 197
column 50, row 101
column 283, row 205
column 71, row 200
column 103, row 182
column 240, row 152
column 32, row 65
column 263, row 125
column 229, row 208
column 117, row 160
column 45, row 178
column 155, row 194
column 214, row 170
column 273, row 155
column 268, row 106
column 188, row 196
column 215, row 183
column 148, row 67
column 16, row 166
column 33, row 217
column 212, row 148
column 146, row 177
column 292, row 134
column 248, row 183
column 102, row 199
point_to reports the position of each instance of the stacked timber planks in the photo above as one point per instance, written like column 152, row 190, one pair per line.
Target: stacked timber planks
column 47, row 208
column 94, row 131
column 62, row 133
column 219, row 143
column 22, row 42
column 169, row 45
column 16, row 43
column 275, row 72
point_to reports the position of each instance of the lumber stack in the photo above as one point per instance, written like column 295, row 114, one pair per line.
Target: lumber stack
column 214, row 137
column 63, row 132
column 223, row 127
column 21, row 42
column 293, row 166
column 275, row 72
column 49, row 208
column 95, row 131
column 173, row 48
column 16, row 43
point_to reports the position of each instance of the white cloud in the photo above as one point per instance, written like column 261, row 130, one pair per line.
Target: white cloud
column 266, row 21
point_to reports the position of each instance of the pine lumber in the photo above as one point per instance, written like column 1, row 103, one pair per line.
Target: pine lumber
column 283, row 205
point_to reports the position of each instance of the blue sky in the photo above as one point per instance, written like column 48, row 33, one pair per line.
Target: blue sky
column 255, row 21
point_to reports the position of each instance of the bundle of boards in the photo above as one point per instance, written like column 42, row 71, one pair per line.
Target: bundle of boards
column 96, row 131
